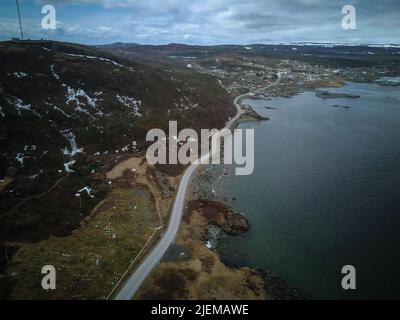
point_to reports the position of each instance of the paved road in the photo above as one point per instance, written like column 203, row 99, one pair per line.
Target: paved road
column 151, row 260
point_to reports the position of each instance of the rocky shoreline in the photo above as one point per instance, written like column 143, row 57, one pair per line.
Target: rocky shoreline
column 231, row 223
column 250, row 114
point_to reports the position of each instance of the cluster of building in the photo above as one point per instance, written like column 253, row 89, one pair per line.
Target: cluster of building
column 243, row 74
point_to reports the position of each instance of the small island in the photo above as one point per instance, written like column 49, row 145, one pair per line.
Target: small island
column 334, row 95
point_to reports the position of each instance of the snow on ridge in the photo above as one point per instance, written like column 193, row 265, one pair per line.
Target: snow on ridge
column 377, row 45
column 130, row 102
column 94, row 57
column 69, row 135
column 337, row 44
column 1, row 112
column 72, row 96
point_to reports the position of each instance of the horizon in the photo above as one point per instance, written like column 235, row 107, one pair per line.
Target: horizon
column 238, row 22
column 299, row 44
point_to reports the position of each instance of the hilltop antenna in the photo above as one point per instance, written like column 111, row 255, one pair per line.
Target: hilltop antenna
column 19, row 19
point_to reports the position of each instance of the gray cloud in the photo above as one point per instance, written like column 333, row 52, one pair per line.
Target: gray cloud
column 224, row 21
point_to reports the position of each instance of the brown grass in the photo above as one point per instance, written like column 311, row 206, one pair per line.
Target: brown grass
column 90, row 261
column 204, row 276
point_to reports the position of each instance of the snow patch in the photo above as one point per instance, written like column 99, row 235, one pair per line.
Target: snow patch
column 55, row 75
column 62, row 111
column 69, row 135
column 130, row 102
column 125, row 149
column 20, row 106
column 20, row 158
column 88, row 190
column 67, row 166
column 30, row 148
column 20, row 75
column 93, row 57
column 73, row 96
column 128, row 147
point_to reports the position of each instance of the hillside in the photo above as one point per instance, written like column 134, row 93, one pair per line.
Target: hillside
column 328, row 55
column 69, row 112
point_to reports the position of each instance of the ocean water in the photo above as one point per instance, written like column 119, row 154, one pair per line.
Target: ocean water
column 325, row 192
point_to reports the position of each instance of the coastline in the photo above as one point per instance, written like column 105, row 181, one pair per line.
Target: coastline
column 215, row 191
column 265, row 285
column 149, row 263
column 192, row 269
column 79, row 195
column 277, row 287
column 158, row 283
column 274, row 287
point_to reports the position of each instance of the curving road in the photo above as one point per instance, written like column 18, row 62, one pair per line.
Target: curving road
column 134, row 281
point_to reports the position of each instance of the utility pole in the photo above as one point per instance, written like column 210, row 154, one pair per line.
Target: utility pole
column 19, row 19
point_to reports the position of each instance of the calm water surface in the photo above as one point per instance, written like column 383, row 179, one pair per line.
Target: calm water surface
column 325, row 192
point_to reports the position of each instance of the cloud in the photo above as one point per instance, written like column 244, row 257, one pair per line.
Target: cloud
column 221, row 21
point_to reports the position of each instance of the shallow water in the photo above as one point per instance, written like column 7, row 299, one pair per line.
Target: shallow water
column 324, row 192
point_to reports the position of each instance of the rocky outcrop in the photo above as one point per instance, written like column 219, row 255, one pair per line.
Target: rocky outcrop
column 226, row 218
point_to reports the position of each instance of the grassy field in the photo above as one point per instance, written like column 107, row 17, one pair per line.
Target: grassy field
column 90, row 261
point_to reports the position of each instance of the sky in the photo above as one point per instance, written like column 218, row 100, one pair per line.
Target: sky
column 204, row 22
